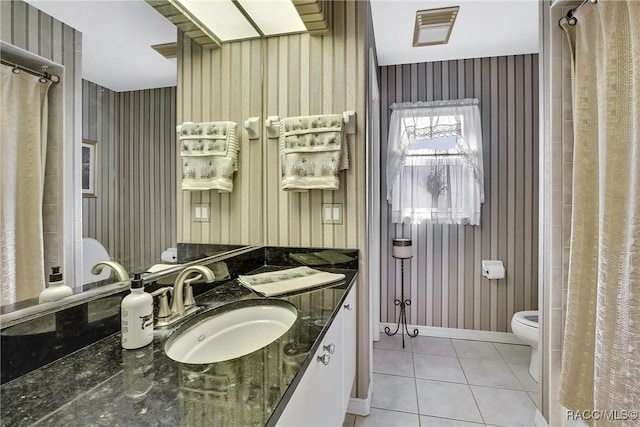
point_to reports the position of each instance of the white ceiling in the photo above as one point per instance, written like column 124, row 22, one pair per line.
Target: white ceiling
column 116, row 41
column 117, row 35
column 483, row 28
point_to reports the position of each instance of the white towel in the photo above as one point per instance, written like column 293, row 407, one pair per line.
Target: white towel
column 209, row 154
column 287, row 281
column 313, row 152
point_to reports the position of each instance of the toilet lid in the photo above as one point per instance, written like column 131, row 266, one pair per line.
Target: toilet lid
column 92, row 253
column 528, row 318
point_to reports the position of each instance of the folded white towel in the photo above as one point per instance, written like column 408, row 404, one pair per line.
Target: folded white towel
column 159, row 267
column 313, row 152
column 209, row 155
column 287, row 281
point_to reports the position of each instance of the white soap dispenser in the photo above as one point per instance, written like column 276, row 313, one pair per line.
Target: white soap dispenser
column 56, row 290
column 136, row 316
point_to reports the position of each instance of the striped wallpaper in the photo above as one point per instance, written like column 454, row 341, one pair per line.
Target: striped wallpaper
column 27, row 28
column 444, row 278
column 282, row 76
column 134, row 214
column 223, row 84
column 307, row 75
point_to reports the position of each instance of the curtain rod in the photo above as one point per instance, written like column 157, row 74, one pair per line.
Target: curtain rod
column 435, row 155
column 433, row 104
column 572, row 20
column 42, row 74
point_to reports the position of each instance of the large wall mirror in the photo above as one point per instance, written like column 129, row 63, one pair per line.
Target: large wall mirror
column 113, row 118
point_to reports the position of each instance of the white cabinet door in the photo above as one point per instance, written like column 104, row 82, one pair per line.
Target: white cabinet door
column 349, row 346
column 317, row 400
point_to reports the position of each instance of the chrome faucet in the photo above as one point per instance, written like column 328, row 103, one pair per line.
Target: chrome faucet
column 182, row 302
column 177, row 304
column 122, row 274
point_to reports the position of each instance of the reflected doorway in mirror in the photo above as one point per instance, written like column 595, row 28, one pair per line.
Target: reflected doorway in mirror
column 89, row 166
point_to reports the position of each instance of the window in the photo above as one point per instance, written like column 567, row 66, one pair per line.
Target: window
column 434, row 162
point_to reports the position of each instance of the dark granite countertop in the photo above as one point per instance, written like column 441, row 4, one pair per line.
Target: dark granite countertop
column 104, row 385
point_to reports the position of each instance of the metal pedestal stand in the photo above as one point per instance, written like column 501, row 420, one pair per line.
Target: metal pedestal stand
column 403, row 303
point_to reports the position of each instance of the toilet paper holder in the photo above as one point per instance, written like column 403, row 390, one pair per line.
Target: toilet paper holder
column 492, row 269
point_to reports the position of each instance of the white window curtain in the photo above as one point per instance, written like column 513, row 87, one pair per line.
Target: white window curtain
column 434, row 162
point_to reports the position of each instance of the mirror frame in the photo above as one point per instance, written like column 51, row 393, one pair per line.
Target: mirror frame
column 71, row 198
column 35, row 311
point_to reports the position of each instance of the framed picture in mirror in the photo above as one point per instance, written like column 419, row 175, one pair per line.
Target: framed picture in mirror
column 89, row 168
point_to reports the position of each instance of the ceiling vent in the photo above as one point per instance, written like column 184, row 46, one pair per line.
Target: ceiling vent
column 433, row 26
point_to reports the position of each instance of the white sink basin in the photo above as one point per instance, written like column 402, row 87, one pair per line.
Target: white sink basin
column 231, row 331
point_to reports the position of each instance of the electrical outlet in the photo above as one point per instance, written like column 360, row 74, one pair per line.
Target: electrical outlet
column 332, row 213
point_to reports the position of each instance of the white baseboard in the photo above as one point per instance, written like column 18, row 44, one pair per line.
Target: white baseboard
column 538, row 419
column 464, row 334
column 361, row 407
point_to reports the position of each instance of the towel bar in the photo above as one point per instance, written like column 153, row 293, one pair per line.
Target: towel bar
column 272, row 124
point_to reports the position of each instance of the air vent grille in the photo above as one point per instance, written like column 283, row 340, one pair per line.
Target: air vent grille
column 433, row 26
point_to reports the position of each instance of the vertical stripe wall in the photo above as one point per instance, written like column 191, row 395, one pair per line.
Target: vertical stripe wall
column 444, row 278
column 27, row 28
column 283, row 76
column 213, row 85
column 307, row 75
column 134, row 213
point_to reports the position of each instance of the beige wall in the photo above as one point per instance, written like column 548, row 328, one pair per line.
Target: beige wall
column 444, row 279
column 223, row 84
column 29, row 29
column 134, row 215
column 282, row 76
column 317, row 75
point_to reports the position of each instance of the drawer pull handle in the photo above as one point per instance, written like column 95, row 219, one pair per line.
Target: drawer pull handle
column 324, row 359
column 331, row 348
column 348, row 306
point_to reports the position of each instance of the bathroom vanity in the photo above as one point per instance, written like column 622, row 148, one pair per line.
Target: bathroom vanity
column 302, row 378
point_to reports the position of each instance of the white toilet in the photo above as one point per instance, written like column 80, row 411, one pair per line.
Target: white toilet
column 524, row 325
column 92, row 253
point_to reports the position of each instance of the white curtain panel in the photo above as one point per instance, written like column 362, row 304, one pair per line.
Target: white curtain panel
column 601, row 353
column 23, row 148
column 434, row 162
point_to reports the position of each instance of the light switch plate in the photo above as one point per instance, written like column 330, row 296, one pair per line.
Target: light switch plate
column 200, row 212
column 332, row 213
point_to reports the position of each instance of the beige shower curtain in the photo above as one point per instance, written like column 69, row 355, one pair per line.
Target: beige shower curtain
column 23, row 145
column 601, row 353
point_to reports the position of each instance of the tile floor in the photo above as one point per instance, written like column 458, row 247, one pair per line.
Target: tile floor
column 440, row 382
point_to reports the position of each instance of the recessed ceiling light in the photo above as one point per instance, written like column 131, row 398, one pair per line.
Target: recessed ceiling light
column 433, row 26
column 222, row 18
column 274, row 16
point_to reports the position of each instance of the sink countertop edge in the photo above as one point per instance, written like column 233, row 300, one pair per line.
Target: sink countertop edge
column 22, row 411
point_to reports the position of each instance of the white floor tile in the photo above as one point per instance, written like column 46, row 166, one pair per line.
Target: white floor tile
column 393, row 362
column 439, row 368
column 393, row 343
column 514, row 353
column 433, row 345
column 447, row 400
column 504, row 407
column 476, row 349
column 445, row 422
column 491, row 373
column 395, row 393
column 521, row 371
column 384, row 418
column 535, row 397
